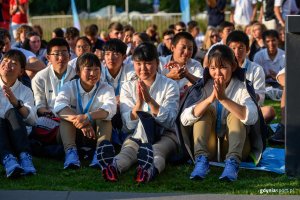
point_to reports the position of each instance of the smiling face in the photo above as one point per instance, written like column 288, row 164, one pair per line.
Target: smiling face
column 11, row 69
column 145, row 70
column 89, row 76
column 182, row 51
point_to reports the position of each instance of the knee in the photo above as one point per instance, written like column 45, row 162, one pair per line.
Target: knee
column 268, row 113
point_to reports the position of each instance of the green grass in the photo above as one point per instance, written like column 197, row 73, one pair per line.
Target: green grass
column 175, row 178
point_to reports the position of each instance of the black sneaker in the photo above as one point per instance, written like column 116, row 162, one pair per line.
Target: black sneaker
column 279, row 136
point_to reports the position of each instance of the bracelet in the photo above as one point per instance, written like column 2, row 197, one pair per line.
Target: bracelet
column 89, row 116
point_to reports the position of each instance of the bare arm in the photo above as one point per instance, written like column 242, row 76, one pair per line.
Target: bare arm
column 254, row 6
column 33, row 66
column 278, row 15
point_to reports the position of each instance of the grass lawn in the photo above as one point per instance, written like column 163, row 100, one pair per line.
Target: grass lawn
column 175, row 178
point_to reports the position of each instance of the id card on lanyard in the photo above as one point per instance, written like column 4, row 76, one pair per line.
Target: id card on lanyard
column 87, row 107
column 117, row 89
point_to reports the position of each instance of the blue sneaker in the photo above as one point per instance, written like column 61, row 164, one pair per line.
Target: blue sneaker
column 26, row 163
column 95, row 163
column 201, row 168
column 71, row 159
column 11, row 165
column 231, row 170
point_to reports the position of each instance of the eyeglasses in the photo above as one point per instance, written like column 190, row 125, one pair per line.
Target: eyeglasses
column 212, row 36
column 62, row 54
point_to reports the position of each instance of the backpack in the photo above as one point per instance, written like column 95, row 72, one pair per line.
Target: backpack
column 269, row 11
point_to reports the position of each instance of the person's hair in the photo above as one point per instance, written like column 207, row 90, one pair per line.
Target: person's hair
column 115, row 26
column 224, row 25
column 23, row 28
column 143, row 36
column 4, row 34
column 146, row 51
column 91, row 30
column 262, row 26
column 221, row 54
column 238, row 36
column 128, row 27
column 171, row 27
column 26, row 44
column 168, row 32
column 87, row 60
column 270, row 33
column 57, row 42
column 182, row 35
column 58, row 32
column 180, row 23
column 85, row 39
column 71, row 32
column 38, row 29
column 207, row 38
column 17, row 55
column 191, row 24
column 115, row 45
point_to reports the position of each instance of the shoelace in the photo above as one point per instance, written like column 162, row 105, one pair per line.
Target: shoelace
column 8, row 158
column 27, row 160
column 231, row 165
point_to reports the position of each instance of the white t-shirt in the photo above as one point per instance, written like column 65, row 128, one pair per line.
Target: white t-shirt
column 243, row 11
column 262, row 58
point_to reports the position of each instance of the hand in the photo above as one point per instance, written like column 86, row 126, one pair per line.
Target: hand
column 80, row 121
column 172, row 64
column 273, row 74
column 212, row 96
column 139, row 95
column 89, row 132
column 144, row 91
column 219, row 87
column 10, row 95
column 177, row 73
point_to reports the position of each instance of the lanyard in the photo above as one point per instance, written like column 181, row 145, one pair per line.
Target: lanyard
column 83, row 111
column 61, row 83
column 117, row 90
column 219, row 119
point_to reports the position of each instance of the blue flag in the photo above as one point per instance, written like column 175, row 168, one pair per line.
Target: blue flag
column 185, row 10
column 76, row 22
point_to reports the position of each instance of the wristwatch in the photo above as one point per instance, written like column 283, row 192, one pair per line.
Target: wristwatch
column 20, row 104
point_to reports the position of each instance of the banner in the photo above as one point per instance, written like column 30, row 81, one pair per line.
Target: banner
column 185, row 10
column 76, row 22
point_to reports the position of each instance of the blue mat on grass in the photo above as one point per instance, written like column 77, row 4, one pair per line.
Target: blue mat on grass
column 273, row 160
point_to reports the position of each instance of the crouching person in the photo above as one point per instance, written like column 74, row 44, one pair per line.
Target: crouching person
column 223, row 111
column 16, row 111
column 149, row 107
column 85, row 106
